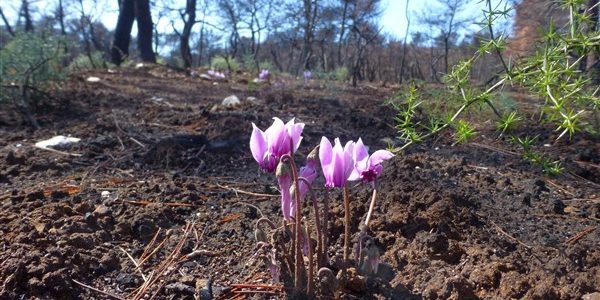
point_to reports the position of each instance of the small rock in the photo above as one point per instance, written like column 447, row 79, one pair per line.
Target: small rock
column 355, row 282
column 205, row 77
column 127, row 279
column 591, row 296
column 37, row 195
column 92, row 79
column 231, row 101
column 40, row 227
column 179, row 288
column 251, row 99
column 559, row 207
column 101, row 211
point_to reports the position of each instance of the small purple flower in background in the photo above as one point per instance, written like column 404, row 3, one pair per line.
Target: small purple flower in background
column 213, row 73
column 367, row 168
column 264, row 75
column 268, row 146
column 307, row 76
column 337, row 162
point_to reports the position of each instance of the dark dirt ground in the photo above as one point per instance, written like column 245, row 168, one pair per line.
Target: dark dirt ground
column 162, row 168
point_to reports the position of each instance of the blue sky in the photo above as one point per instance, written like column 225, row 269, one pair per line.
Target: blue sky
column 393, row 19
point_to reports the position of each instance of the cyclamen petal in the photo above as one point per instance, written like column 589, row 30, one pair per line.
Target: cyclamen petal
column 325, row 157
column 267, row 147
column 368, row 168
column 277, row 137
column 337, row 163
column 258, row 143
column 285, row 182
column 294, row 131
column 309, row 173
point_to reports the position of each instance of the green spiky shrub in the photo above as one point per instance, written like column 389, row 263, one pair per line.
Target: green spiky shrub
column 569, row 97
column 28, row 60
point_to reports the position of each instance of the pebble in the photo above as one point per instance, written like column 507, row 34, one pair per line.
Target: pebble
column 231, row 101
column 101, row 211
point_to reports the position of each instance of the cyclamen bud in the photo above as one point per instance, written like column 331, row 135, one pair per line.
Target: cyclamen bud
column 312, row 159
column 260, row 235
column 282, row 169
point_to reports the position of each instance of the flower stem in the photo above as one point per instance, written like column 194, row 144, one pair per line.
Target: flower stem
column 311, row 283
column 299, row 262
column 267, row 221
column 325, row 227
column 346, row 232
column 372, row 205
column 317, row 224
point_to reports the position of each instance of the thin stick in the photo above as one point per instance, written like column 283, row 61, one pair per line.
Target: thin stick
column 137, row 142
column 60, row 152
column 514, row 239
column 135, row 263
column 572, row 240
column 245, row 192
column 97, row 290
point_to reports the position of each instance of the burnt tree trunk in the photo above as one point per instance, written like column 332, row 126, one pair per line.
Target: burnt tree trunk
column 8, row 28
column 186, row 53
column 144, row 25
column 120, row 46
column 27, row 15
column 129, row 11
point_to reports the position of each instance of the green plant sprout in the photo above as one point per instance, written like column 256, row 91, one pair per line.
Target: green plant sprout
column 464, row 132
column 507, row 122
column 550, row 167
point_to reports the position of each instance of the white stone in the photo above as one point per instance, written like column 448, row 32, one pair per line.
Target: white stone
column 56, row 141
column 92, row 79
column 231, row 101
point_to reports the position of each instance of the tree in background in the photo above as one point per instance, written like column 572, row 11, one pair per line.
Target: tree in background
column 130, row 10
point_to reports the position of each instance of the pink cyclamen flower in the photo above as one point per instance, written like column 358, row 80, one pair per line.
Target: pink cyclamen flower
column 367, row 168
column 264, row 75
column 307, row 76
column 337, row 162
column 268, row 146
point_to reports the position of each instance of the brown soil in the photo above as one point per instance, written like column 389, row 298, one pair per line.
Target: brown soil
column 162, row 171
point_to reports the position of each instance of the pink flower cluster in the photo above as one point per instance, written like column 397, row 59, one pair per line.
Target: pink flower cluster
column 339, row 164
column 264, row 75
column 216, row 74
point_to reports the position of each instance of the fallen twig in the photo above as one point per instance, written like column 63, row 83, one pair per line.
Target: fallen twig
column 135, row 263
column 512, row 238
column 488, row 147
column 572, row 240
column 245, row 192
column 60, row 152
column 97, row 290
column 144, row 202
